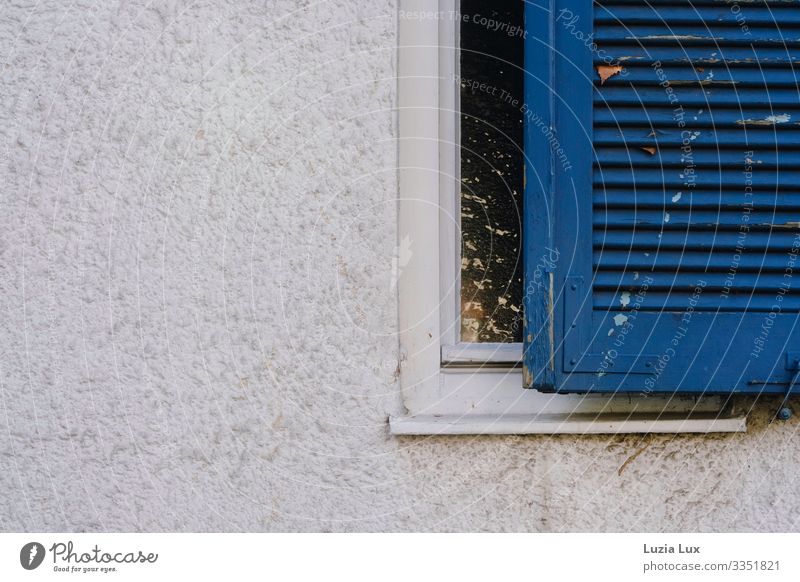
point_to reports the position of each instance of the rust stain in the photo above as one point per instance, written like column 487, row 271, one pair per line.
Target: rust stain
column 608, row 71
column 632, row 458
column 650, row 150
column 278, row 422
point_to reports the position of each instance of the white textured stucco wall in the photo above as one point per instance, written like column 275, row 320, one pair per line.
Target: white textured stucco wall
column 197, row 324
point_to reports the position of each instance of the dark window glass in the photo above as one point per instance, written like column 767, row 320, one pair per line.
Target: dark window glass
column 492, row 42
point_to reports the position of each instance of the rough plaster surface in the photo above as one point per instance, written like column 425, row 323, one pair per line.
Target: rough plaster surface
column 198, row 324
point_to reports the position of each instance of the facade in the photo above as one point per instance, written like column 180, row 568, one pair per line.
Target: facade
column 200, row 310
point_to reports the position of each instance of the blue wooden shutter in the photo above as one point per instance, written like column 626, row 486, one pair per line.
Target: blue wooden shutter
column 662, row 199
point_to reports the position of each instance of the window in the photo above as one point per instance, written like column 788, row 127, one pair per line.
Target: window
column 458, row 377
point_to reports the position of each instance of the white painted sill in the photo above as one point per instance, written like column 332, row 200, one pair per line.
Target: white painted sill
column 543, row 424
column 492, row 401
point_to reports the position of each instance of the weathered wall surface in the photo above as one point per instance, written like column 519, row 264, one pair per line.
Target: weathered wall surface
column 198, row 322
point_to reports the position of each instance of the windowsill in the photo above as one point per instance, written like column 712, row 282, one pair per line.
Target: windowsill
column 554, row 424
column 491, row 401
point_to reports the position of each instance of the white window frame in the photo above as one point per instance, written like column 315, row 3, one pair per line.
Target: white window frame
column 455, row 388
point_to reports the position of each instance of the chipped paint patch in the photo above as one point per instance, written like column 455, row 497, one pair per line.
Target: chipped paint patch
column 620, row 319
column 770, row 120
column 703, row 83
column 673, row 37
column 677, row 196
column 611, row 331
column 625, row 299
column 608, row 71
column 787, row 225
column 666, row 217
column 782, row 118
column 650, row 150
